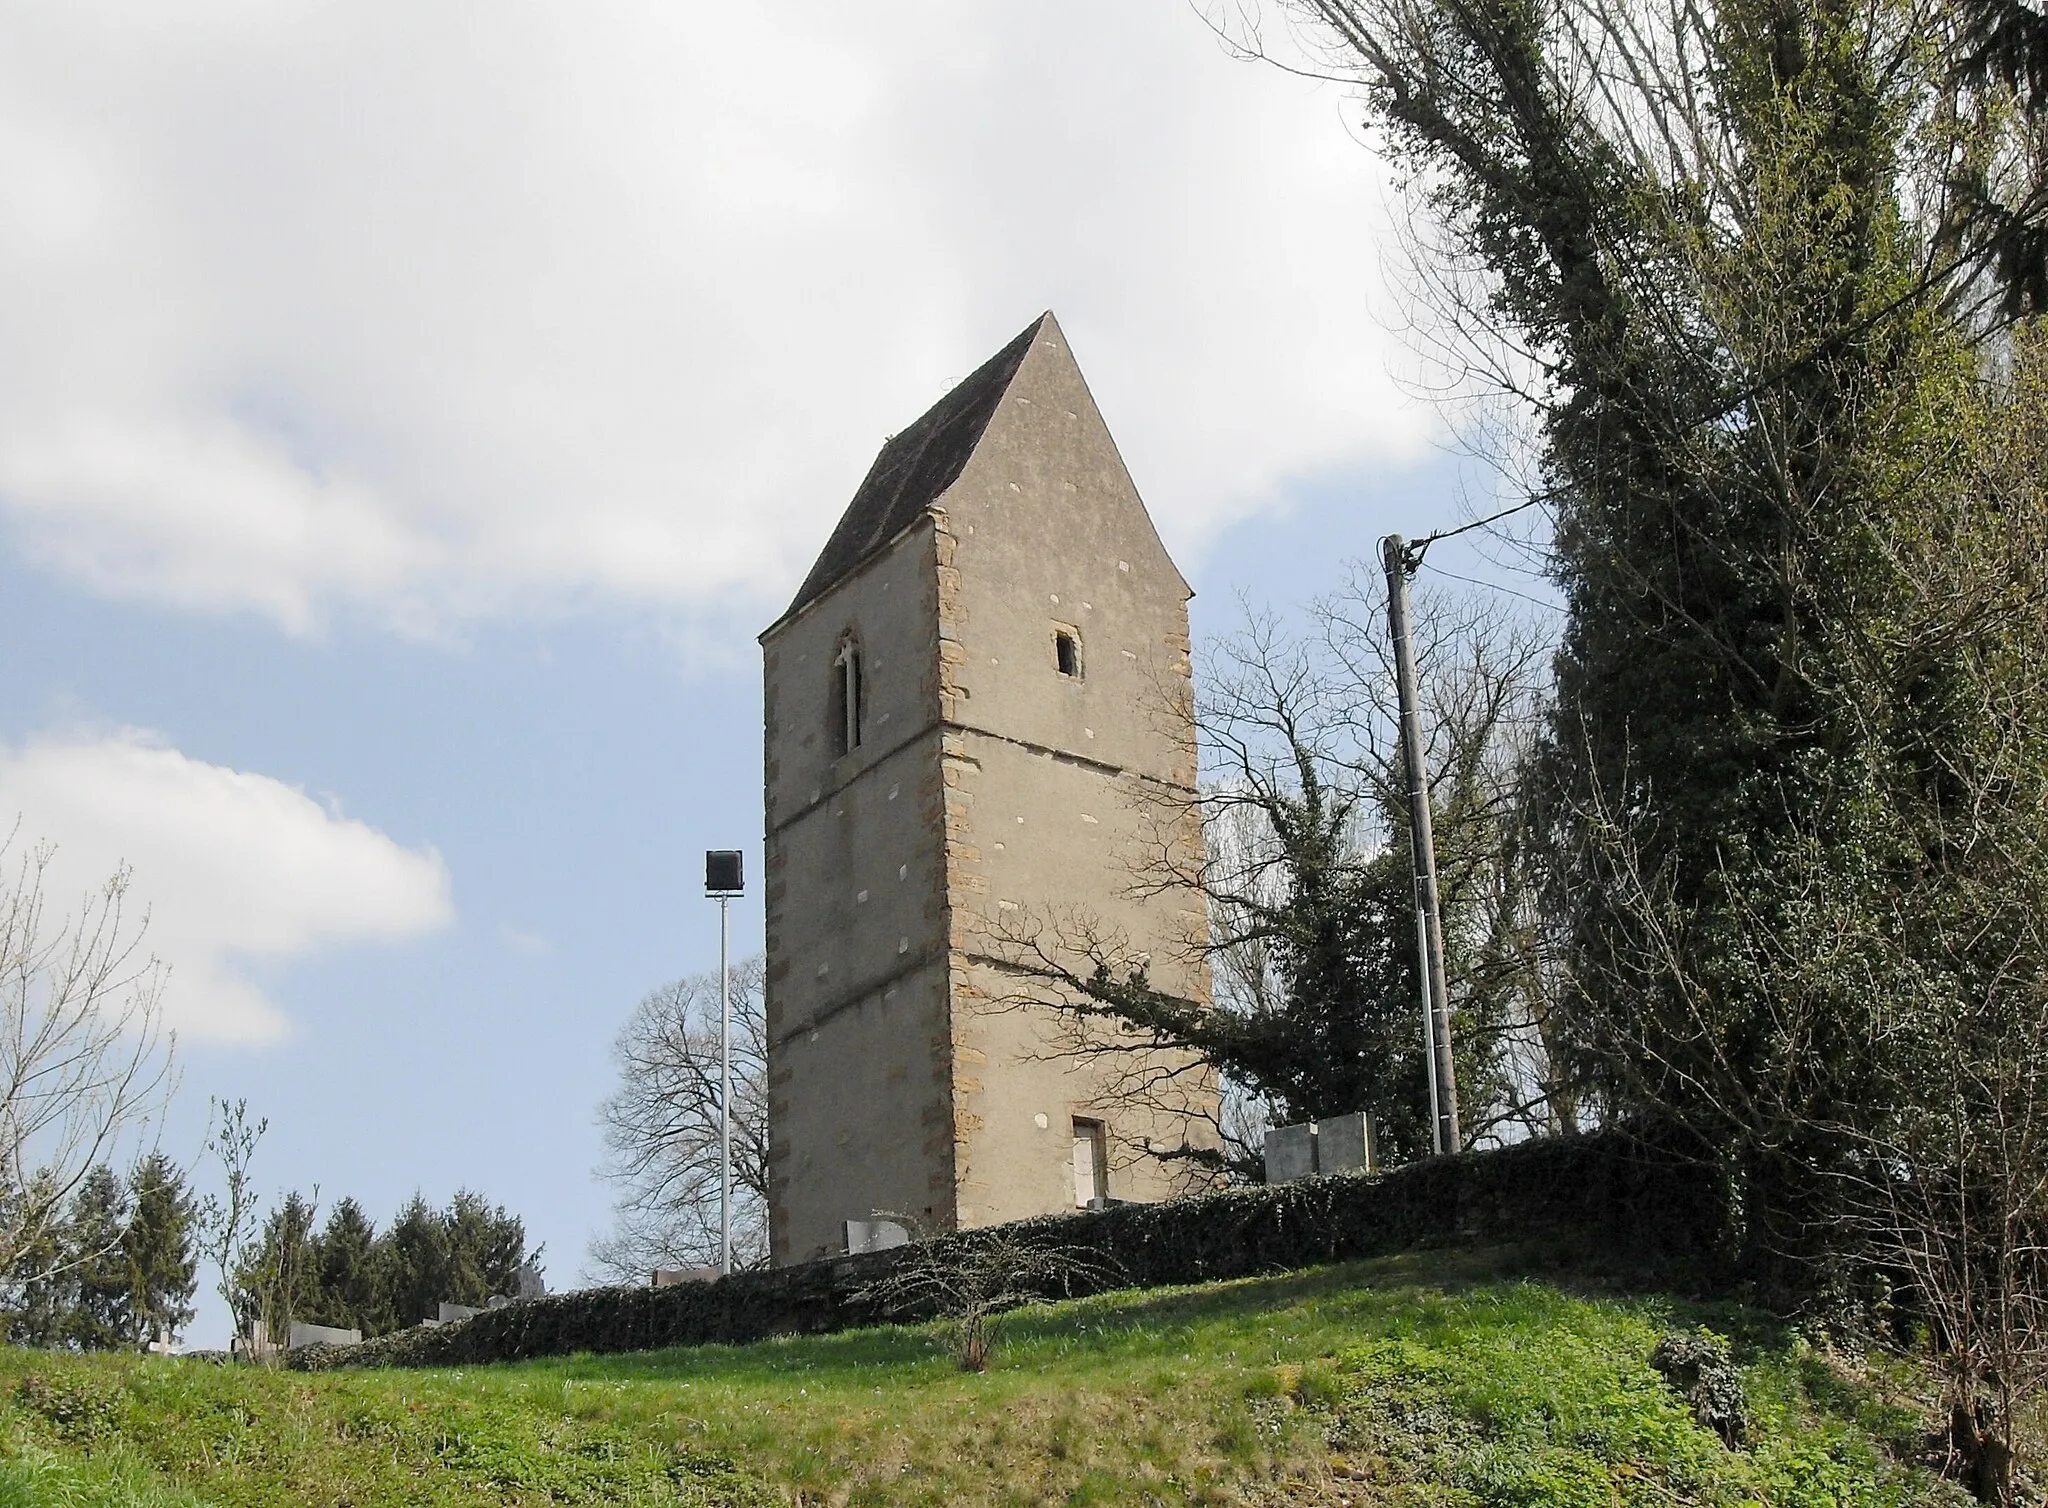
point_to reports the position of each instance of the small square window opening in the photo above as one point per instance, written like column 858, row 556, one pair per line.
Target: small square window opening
column 1066, row 653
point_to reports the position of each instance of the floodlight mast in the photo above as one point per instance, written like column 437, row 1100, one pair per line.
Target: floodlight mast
column 723, row 879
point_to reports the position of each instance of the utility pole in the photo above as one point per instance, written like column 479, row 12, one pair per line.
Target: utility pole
column 722, row 881
column 1436, row 1004
column 1436, row 1114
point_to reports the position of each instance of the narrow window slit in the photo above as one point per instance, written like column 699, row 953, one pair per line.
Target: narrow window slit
column 849, row 696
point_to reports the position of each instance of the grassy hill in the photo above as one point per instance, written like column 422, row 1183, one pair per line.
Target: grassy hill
column 1423, row 1380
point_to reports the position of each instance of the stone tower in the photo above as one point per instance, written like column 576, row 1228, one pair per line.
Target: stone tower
column 969, row 731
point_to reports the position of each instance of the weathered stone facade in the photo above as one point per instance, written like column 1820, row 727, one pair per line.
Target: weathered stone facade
column 976, row 728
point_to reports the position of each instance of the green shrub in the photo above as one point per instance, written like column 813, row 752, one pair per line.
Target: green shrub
column 79, row 1408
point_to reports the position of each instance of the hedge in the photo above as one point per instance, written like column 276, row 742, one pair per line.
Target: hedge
column 1632, row 1198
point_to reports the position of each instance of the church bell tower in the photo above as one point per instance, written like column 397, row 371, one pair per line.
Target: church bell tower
column 977, row 721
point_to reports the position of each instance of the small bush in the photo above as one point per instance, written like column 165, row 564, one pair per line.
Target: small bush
column 1700, row 1371
column 78, row 1408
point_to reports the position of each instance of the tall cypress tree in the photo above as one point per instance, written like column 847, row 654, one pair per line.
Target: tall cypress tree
column 486, row 1244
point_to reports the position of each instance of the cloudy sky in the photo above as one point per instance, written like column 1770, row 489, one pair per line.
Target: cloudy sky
column 409, row 413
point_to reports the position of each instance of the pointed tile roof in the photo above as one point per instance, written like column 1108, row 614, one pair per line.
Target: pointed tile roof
column 914, row 468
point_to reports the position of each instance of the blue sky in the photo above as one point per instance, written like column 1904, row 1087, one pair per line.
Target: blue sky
column 408, row 418
column 569, row 774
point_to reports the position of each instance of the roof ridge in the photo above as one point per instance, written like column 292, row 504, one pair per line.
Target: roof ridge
column 914, row 467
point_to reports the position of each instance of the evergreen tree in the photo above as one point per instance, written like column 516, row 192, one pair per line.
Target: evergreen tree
column 280, row 1281
column 485, row 1246
column 99, row 1317
column 41, row 1285
column 460, row 1255
column 162, row 1266
column 1306, row 871
column 1331, row 1025
column 413, row 1265
column 345, row 1267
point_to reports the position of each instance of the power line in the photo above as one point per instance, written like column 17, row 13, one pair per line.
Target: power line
column 1415, row 550
column 1495, row 586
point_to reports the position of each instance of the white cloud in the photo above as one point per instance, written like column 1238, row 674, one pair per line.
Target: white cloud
column 430, row 310
column 234, row 867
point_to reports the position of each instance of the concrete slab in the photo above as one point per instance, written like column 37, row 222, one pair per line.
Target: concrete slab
column 1290, row 1153
column 1344, row 1144
column 874, row 1235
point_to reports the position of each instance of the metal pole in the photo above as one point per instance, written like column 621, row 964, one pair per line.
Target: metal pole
column 1422, row 838
column 724, row 1095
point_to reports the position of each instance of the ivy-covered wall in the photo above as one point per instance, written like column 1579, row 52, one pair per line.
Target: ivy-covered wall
column 1633, row 1200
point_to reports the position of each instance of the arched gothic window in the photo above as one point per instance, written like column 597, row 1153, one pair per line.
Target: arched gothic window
column 849, row 697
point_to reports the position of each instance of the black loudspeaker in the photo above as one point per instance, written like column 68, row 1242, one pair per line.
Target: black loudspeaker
column 722, row 872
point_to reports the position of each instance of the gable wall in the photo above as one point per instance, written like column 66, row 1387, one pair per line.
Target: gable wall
column 1059, row 788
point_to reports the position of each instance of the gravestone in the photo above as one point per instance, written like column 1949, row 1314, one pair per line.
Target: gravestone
column 452, row 1312
column 1290, row 1153
column 303, row 1334
column 528, row 1283
column 668, row 1277
column 874, row 1235
column 1341, row 1144
column 1344, row 1144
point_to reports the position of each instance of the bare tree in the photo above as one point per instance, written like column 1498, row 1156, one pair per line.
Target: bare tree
column 227, row 1221
column 661, row 1130
column 969, row 1280
column 1307, row 922
column 85, row 1059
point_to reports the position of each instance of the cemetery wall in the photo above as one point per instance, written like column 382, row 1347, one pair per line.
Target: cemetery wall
column 1626, row 1203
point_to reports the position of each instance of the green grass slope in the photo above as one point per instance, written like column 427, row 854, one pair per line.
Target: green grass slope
column 1425, row 1380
